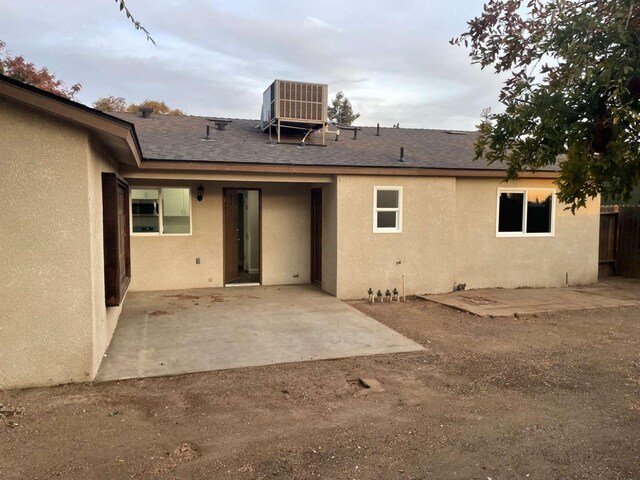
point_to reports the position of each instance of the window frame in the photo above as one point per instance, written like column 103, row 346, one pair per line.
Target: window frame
column 160, row 212
column 398, row 228
column 526, row 191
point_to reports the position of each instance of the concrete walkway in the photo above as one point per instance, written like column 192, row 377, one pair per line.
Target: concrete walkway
column 498, row 302
column 174, row 332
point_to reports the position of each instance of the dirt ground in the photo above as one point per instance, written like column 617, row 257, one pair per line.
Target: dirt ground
column 552, row 396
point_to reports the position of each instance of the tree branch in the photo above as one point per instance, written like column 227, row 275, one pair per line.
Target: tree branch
column 136, row 23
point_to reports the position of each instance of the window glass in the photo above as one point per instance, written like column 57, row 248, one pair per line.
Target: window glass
column 387, row 214
column 175, row 210
column 387, row 219
column 387, row 199
column 145, row 210
column 539, row 211
column 511, row 212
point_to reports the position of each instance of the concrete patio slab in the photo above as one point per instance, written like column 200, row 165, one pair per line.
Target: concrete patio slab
column 174, row 332
column 497, row 302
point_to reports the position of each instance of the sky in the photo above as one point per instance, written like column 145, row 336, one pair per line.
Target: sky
column 392, row 59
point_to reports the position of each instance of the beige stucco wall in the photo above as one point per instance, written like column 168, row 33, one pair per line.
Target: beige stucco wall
column 45, row 250
column 104, row 318
column 286, row 231
column 54, row 325
column 169, row 262
column 329, row 237
column 484, row 260
column 423, row 248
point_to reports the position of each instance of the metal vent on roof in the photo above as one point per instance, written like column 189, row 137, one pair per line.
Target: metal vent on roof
column 454, row 132
column 221, row 123
column 145, row 112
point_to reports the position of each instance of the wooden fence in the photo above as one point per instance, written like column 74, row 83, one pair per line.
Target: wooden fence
column 620, row 240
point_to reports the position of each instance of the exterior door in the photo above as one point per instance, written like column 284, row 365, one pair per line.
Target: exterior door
column 316, row 235
column 230, row 236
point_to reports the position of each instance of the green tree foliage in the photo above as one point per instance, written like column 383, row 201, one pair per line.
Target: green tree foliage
column 19, row 69
column 110, row 104
column 573, row 91
column 340, row 111
column 157, row 105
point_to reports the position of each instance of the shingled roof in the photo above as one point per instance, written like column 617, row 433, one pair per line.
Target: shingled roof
column 181, row 138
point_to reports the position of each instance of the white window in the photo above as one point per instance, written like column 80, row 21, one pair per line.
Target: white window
column 525, row 212
column 387, row 209
column 161, row 211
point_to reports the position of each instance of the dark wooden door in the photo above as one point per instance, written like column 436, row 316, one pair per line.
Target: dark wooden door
column 230, row 236
column 316, row 235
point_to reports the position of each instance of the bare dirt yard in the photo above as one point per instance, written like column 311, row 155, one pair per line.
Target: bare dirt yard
column 552, row 396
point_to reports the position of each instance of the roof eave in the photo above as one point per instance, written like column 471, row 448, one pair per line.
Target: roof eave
column 208, row 166
column 77, row 113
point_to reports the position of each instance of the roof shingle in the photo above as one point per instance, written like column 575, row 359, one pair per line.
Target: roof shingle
column 181, row 138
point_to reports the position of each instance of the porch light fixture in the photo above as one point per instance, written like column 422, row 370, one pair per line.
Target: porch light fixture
column 200, row 193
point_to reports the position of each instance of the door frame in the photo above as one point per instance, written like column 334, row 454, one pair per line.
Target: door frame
column 224, row 223
column 316, row 235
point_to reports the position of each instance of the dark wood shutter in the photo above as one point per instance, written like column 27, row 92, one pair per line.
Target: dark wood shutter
column 117, row 244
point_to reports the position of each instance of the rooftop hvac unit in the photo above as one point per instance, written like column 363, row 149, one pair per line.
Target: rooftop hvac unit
column 296, row 105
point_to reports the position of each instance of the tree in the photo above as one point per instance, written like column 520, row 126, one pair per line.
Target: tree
column 19, row 69
column 136, row 23
column 340, row 111
column 157, row 105
column 573, row 91
column 110, row 104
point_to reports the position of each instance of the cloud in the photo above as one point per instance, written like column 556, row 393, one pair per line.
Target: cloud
column 313, row 22
column 393, row 61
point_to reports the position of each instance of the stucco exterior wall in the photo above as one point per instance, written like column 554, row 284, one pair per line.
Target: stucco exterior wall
column 329, row 238
column 104, row 318
column 423, row 248
column 45, row 251
column 484, row 260
column 168, row 262
column 286, row 233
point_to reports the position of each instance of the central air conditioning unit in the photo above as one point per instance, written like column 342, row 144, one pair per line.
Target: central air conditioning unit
column 297, row 106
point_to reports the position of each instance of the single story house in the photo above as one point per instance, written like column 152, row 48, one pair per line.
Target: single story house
column 95, row 205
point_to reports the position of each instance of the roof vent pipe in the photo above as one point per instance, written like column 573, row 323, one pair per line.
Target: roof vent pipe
column 378, row 130
column 146, row 112
column 402, row 154
column 221, row 123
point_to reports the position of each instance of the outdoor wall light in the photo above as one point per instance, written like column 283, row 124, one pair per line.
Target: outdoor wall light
column 200, row 193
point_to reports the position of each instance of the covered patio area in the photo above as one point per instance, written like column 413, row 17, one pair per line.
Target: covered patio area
column 185, row 331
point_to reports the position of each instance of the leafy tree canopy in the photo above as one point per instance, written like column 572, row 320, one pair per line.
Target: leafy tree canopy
column 157, row 105
column 573, row 91
column 119, row 104
column 19, row 69
column 110, row 104
column 340, row 111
